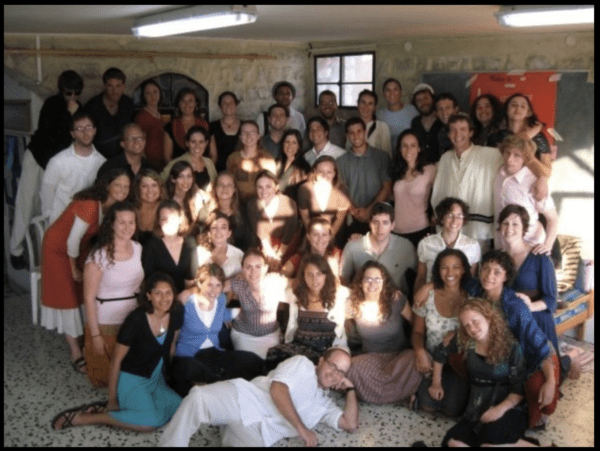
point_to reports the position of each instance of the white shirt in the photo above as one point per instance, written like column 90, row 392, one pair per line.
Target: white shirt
column 311, row 402
column 330, row 149
column 66, row 174
column 517, row 189
column 430, row 246
column 470, row 178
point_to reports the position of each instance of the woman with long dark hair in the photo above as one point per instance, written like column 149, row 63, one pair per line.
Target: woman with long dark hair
column 486, row 113
column 293, row 169
column 181, row 187
column 151, row 123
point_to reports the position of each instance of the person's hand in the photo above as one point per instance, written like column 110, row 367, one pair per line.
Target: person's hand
column 99, row 345
column 448, row 337
column 309, row 437
column 436, row 391
column 362, row 214
column 77, row 274
column 354, row 237
column 424, row 362
column 492, row 414
column 540, row 188
column 542, row 249
column 112, row 406
column 227, row 324
column 343, row 384
column 526, row 299
column 546, row 394
column 535, row 129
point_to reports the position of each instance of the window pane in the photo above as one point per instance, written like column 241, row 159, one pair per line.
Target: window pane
column 334, row 88
column 350, row 93
column 328, row 69
column 358, row 68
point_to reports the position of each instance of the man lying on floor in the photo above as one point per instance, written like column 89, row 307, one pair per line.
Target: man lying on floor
column 287, row 402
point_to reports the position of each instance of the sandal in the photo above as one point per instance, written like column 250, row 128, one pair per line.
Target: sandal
column 96, row 407
column 78, row 365
column 68, row 416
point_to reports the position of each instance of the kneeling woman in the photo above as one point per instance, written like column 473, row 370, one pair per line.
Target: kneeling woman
column 138, row 397
column 386, row 371
column 199, row 356
column 495, row 412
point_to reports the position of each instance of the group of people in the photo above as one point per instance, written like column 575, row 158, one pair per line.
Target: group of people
column 231, row 273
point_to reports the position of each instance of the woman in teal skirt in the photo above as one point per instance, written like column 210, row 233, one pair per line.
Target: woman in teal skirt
column 138, row 397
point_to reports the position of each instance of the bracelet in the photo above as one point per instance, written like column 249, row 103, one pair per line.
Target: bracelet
column 349, row 389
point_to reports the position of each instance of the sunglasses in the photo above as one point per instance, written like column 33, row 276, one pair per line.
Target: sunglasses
column 71, row 93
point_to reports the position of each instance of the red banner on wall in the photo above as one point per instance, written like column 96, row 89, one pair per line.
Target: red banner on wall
column 539, row 87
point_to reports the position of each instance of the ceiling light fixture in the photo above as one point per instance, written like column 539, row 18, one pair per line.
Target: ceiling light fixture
column 193, row 18
column 534, row 16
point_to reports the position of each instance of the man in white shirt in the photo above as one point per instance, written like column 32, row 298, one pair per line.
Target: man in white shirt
column 72, row 169
column 318, row 133
column 287, row 402
column 397, row 115
column 283, row 93
column 394, row 252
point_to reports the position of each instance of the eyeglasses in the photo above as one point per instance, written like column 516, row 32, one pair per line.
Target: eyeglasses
column 376, row 280
column 335, row 369
column 136, row 139
column 71, row 93
column 453, row 216
column 87, row 128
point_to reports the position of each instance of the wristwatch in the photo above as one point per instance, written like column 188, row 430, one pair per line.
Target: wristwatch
column 349, row 389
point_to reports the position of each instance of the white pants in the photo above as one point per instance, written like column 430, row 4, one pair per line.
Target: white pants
column 27, row 201
column 215, row 404
column 257, row 345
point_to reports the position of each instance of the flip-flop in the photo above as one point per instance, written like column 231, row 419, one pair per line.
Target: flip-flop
column 68, row 415
column 78, row 365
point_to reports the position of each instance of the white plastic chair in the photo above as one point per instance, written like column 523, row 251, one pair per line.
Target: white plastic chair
column 34, row 237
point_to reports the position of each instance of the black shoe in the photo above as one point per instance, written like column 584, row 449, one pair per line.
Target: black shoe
column 419, row 444
column 18, row 262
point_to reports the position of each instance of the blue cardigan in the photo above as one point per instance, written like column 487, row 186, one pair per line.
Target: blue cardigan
column 193, row 332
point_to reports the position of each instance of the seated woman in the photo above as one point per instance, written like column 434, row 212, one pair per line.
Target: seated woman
column 292, row 168
column 200, row 356
column 225, row 199
column 432, row 321
column 317, row 313
column 452, row 214
column 138, row 397
column 256, row 328
column 322, row 196
column 147, row 192
column 182, row 188
column 273, row 219
column 214, row 247
column 385, row 370
column 543, row 369
column 496, row 413
column 170, row 250
column 111, row 282
column 319, row 240
column 196, row 142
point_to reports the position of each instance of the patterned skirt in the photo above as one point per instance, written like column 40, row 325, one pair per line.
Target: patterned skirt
column 314, row 335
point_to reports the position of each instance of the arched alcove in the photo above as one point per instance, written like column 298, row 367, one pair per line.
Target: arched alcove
column 170, row 84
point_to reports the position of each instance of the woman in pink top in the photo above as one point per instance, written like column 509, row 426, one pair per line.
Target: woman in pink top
column 111, row 281
column 413, row 180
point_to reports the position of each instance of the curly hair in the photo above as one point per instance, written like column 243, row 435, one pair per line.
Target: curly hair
column 328, row 292
column 445, row 206
column 99, row 190
column 357, row 295
column 137, row 182
column 436, row 277
column 501, row 338
column 106, row 233
column 504, row 260
column 204, row 238
column 400, row 166
column 496, row 116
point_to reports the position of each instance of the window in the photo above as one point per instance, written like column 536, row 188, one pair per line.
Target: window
column 345, row 74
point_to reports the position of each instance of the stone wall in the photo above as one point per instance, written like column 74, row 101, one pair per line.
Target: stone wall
column 251, row 80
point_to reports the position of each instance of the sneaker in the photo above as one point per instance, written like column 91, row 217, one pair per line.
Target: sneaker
column 18, row 262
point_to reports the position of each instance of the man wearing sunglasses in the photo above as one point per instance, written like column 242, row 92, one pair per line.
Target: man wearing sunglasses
column 52, row 135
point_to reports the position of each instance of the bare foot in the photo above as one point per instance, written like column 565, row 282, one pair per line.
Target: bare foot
column 575, row 370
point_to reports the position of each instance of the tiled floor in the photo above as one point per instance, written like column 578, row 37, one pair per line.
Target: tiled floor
column 39, row 382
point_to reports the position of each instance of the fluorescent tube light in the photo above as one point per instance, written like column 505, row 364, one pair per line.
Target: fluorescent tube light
column 533, row 16
column 194, row 18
